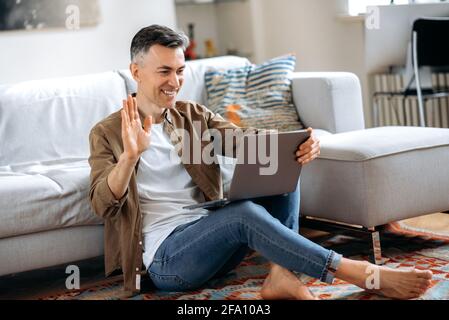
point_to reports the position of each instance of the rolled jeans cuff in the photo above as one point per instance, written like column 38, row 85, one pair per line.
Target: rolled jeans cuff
column 332, row 264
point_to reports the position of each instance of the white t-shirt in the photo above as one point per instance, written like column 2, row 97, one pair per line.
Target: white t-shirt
column 164, row 187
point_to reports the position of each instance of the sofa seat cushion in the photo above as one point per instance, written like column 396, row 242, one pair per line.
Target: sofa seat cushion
column 44, row 196
column 372, row 143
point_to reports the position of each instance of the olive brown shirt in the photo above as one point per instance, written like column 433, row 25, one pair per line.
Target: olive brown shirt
column 185, row 124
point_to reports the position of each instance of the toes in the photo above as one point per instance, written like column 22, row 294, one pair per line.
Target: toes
column 422, row 285
column 415, row 294
column 426, row 283
column 420, row 282
column 419, row 292
column 424, row 274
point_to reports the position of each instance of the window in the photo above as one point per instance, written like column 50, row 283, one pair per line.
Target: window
column 356, row 7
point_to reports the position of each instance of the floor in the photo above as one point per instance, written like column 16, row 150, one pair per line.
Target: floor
column 30, row 285
column 438, row 222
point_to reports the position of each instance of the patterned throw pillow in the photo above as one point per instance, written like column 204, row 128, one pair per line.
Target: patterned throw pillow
column 256, row 95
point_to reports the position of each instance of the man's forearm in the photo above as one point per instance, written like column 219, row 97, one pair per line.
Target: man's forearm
column 118, row 178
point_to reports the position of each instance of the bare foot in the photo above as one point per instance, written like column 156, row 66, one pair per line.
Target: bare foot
column 392, row 283
column 403, row 284
column 283, row 284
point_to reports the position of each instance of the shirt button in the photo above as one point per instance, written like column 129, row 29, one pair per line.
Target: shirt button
column 137, row 269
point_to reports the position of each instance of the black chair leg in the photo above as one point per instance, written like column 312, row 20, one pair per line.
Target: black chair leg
column 376, row 256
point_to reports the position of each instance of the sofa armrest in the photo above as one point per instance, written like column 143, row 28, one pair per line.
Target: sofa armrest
column 329, row 100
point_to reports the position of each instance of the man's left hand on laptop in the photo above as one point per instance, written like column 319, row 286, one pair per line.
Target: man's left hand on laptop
column 309, row 150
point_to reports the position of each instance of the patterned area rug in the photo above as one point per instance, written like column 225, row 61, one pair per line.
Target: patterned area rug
column 402, row 247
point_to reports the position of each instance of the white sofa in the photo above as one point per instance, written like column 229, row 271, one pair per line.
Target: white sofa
column 46, row 218
column 44, row 174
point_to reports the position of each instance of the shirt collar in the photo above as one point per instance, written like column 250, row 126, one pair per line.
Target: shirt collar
column 166, row 114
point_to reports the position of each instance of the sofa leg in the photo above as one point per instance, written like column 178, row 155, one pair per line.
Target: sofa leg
column 334, row 227
column 377, row 250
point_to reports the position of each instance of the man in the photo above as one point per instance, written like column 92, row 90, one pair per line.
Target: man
column 140, row 189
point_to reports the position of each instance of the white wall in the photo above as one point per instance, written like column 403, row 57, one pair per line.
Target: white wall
column 27, row 55
column 227, row 23
column 262, row 29
column 387, row 45
column 323, row 41
column 313, row 31
column 235, row 29
column 204, row 17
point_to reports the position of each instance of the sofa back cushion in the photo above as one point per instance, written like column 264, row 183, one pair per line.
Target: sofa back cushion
column 255, row 95
column 51, row 119
column 194, row 87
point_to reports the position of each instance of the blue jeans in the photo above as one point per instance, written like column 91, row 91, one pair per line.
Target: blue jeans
column 214, row 245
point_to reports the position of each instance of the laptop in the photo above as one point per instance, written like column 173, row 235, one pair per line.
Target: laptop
column 266, row 166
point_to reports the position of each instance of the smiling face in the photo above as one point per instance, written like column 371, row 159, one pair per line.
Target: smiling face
column 160, row 74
